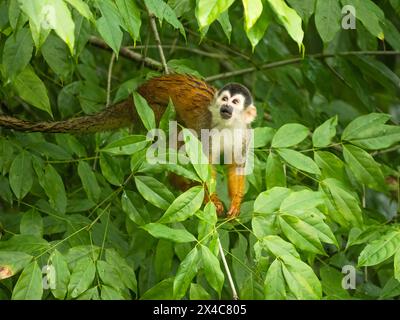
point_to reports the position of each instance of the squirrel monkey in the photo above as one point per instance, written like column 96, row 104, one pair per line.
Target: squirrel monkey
column 198, row 106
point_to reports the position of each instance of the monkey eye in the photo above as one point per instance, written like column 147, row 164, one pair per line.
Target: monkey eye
column 225, row 98
column 235, row 101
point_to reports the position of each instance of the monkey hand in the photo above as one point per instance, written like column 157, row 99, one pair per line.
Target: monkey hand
column 218, row 204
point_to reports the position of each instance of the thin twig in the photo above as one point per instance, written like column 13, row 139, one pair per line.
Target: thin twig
column 297, row 60
column 194, row 50
column 158, row 41
column 110, row 69
column 127, row 53
column 228, row 272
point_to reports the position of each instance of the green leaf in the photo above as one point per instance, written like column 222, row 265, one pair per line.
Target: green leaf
column 161, row 231
column 15, row 15
column 302, row 201
column 380, row 250
column 154, row 192
column 263, row 136
column 32, row 223
column 62, row 22
column 130, row 15
column 198, row 159
column 331, row 166
column 274, row 284
column 377, row 71
column 257, row 31
column 82, row 8
column 62, row 275
column 364, row 167
column 301, row 279
column 124, row 270
column 11, row 262
column 144, row 111
column 111, row 169
column 361, row 125
column 185, row 206
column 57, row 57
column 225, row 23
column 89, row 182
column 54, row 188
column 274, row 172
column 45, row 15
column 304, row 8
column 299, row 161
column 397, row 265
column 327, row 19
column 345, row 208
column 21, row 175
column 17, row 52
column 186, row 272
column 111, row 33
column 161, row 291
column 212, row 269
column 129, row 200
column 26, row 243
column 39, row 35
column 331, row 280
column 370, row 132
column 252, row 12
column 109, row 275
column 197, row 292
column 369, row 14
column 109, row 293
column 279, row 247
column 82, row 277
column 127, row 145
column 289, row 19
column 31, row 89
column 29, row 285
column 163, row 11
column 323, row 135
column 289, row 135
column 301, row 234
column 207, row 11
column 269, row 201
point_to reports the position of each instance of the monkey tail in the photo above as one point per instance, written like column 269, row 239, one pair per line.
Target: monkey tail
column 111, row 118
column 191, row 98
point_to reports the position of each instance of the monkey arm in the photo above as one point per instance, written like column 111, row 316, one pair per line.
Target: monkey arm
column 236, row 181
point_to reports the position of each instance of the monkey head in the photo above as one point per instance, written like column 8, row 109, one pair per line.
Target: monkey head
column 233, row 106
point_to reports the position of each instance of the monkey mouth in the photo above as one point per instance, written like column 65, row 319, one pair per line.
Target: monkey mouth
column 225, row 115
column 225, row 112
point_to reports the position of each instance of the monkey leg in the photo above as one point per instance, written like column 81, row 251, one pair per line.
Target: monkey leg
column 236, row 180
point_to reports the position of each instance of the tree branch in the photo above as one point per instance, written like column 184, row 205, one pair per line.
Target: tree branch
column 158, row 41
column 127, row 53
column 297, row 60
column 228, row 272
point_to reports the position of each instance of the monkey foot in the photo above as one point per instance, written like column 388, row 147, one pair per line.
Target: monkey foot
column 218, row 205
column 233, row 212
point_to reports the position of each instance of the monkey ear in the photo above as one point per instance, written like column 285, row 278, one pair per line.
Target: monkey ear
column 250, row 114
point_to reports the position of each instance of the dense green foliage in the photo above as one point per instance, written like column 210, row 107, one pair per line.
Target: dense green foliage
column 325, row 189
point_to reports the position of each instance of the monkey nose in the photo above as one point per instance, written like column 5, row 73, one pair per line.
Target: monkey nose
column 226, row 112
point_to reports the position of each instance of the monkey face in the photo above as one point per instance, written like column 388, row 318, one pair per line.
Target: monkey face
column 233, row 106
